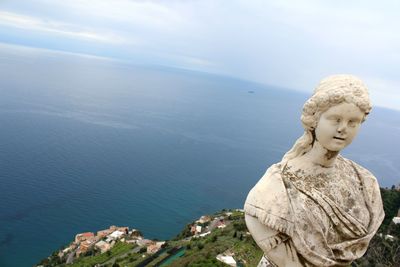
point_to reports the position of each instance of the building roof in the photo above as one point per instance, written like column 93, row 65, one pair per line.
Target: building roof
column 116, row 234
column 101, row 243
column 227, row 259
column 87, row 234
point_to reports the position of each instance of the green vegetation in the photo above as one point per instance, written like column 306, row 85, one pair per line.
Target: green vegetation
column 203, row 251
column 391, row 205
column 119, row 249
column 234, row 239
column 383, row 251
column 185, row 232
column 52, row 260
column 236, row 215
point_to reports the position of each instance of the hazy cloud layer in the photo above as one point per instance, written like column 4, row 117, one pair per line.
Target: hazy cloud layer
column 287, row 43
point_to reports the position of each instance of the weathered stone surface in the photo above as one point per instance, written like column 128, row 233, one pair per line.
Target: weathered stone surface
column 314, row 207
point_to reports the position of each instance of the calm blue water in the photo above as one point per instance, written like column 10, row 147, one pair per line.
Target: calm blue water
column 87, row 143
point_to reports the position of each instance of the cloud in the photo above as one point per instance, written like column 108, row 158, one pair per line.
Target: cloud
column 384, row 92
column 149, row 14
column 55, row 27
column 285, row 43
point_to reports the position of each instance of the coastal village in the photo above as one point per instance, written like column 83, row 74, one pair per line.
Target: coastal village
column 221, row 239
column 89, row 243
column 104, row 240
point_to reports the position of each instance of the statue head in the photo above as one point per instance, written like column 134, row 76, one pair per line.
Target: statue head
column 331, row 91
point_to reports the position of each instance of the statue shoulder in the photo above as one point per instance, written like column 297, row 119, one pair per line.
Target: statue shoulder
column 270, row 181
column 371, row 188
column 268, row 201
column 364, row 174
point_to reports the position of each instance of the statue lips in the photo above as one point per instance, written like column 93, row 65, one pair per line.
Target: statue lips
column 339, row 138
column 339, row 141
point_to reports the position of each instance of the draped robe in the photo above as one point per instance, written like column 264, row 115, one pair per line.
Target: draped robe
column 328, row 219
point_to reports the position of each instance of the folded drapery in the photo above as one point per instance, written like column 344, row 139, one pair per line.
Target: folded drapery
column 328, row 219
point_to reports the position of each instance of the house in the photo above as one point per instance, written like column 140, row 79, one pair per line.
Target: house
column 83, row 236
column 135, row 233
column 154, row 247
column 103, row 246
column 221, row 224
column 396, row 220
column 204, row 219
column 205, row 234
column 389, row 237
column 68, row 249
column 113, row 228
column 85, row 246
column 124, row 229
column 144, row 242
column 193, row 229
column 61, row 253
column 104, row 233
column 116, row 234
column 227, row 259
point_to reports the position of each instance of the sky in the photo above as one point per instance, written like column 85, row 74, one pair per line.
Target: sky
column 290, row 44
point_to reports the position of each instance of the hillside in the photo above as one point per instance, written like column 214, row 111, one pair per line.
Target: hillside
column 222, row 235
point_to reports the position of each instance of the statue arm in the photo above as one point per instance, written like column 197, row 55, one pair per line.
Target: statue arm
column 283, row 254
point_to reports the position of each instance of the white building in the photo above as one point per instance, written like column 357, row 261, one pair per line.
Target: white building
column 116, row 234
column 396, row 220
column 205, row 234
column 226, row 259
column 389, row 237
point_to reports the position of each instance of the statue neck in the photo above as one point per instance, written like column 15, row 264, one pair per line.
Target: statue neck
column 321, row 156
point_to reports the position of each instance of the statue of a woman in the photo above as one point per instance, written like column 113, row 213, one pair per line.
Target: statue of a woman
column 316, row 208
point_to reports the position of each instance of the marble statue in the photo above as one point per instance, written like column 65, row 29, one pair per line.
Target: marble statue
column 315, row 207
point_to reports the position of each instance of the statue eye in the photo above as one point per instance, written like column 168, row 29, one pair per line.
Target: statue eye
column 335, row 119
column 352, row 123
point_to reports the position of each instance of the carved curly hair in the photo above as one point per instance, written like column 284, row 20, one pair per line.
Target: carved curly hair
column 331, row 91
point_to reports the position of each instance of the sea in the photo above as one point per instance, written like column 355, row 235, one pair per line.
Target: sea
column 89, row 142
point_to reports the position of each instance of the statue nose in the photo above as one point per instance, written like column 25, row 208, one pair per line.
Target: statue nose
column 341, row 128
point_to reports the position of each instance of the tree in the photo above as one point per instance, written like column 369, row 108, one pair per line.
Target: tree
column 200, row 245
column 391, row 204
column 240, row 226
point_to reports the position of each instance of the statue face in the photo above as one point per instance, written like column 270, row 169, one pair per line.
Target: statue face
column 338, row 126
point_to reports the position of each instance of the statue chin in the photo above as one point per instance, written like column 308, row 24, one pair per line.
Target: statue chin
column 301, row 213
